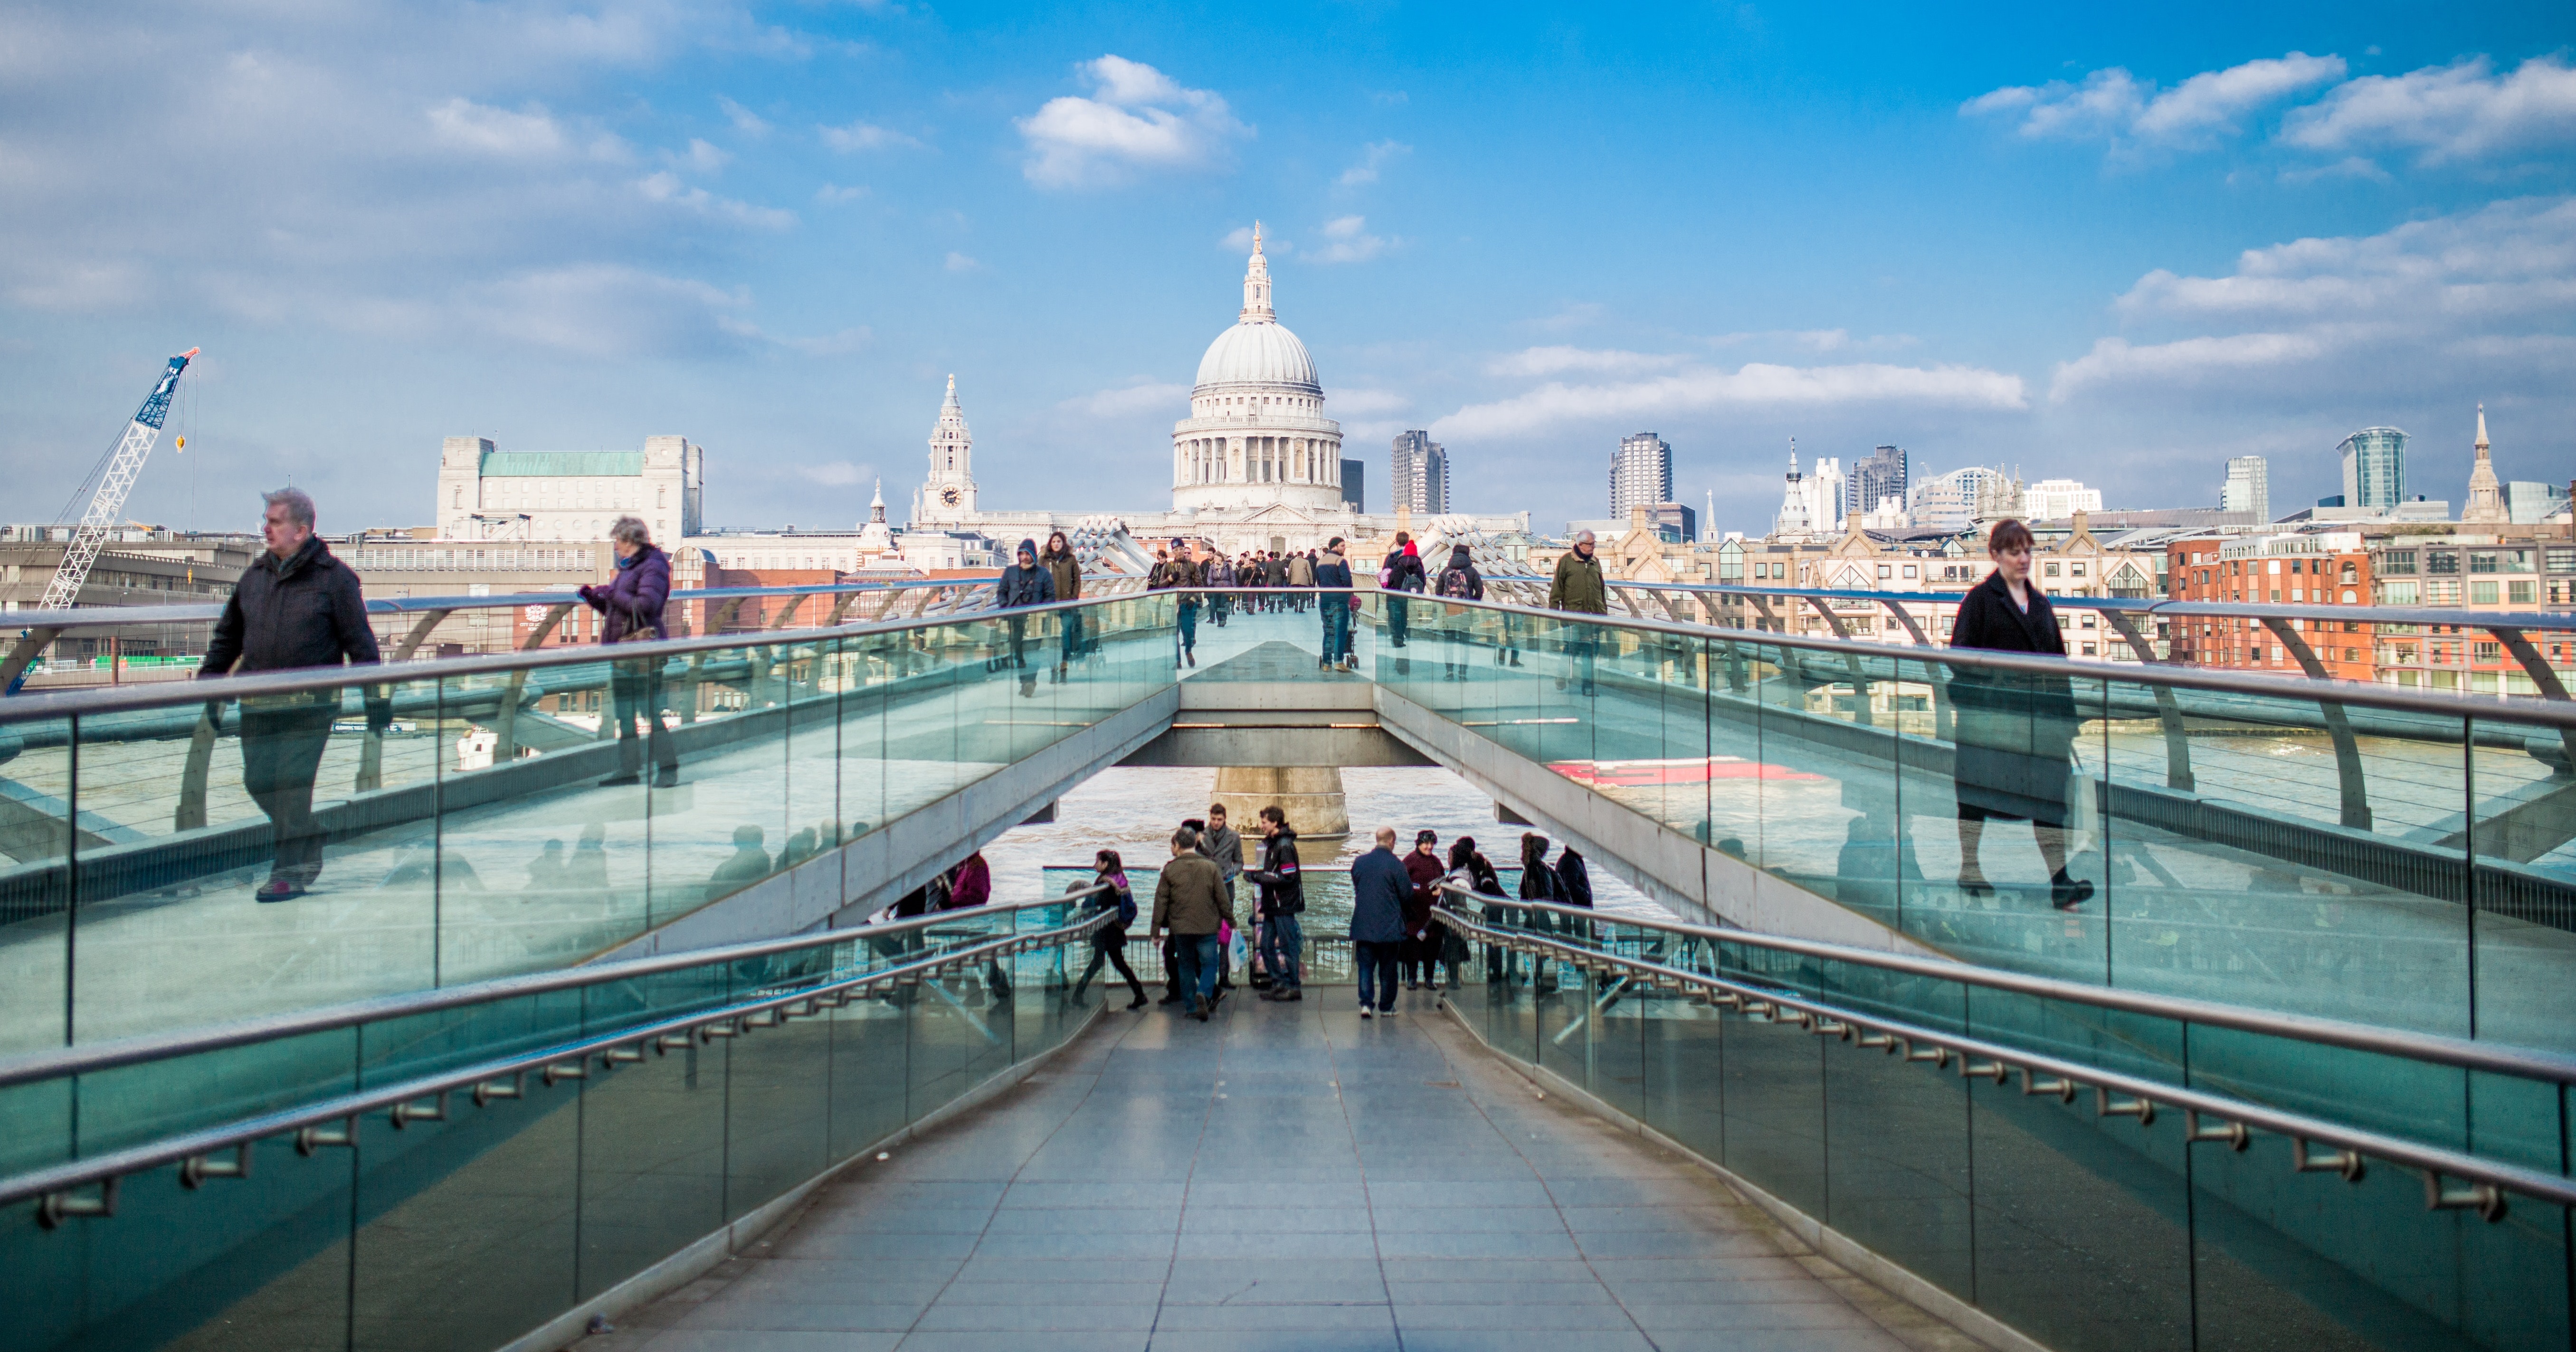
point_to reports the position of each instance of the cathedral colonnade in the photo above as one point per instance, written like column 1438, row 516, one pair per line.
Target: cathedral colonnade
column 1257, row 459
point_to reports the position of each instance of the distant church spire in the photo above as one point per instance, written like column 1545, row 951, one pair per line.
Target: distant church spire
column 1256, row 286
column 952, row 393
column 2486, row 494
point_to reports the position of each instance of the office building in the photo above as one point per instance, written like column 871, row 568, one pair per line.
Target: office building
column 2374, row 468
column 1355, row 485
column 1949, row 501
column 2531, row 503
column 2058, row 499
column 485, row 493
column 2248, row 487
column 1879, row 475
column 1641, row 473
column 1420, row 474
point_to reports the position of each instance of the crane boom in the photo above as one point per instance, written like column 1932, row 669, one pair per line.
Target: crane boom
column 123, row 468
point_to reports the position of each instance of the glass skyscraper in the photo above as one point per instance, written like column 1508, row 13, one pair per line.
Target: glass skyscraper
column 2374, row 467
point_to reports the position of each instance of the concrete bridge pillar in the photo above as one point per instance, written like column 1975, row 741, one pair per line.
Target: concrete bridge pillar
column 1311, row 796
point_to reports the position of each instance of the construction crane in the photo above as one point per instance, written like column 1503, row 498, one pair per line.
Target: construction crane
column 124, row 466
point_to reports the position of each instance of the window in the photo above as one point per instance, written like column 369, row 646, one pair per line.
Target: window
column 2088, row 650
column 2482, row 563
column 2519, row 593
column 2490, row 652
column 2403, row 561
column 2438, row 561
column 2052, row 570
column 1886, row 571
column 2397, row 593
column 2562, row 560
column 2482, row 594
column 2079, row 569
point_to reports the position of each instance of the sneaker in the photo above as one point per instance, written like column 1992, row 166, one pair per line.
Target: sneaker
column 1367, row 1013
column 279, row 889
column 1387, row 1013
column 1194, row 659
column 1199, row 1009
column 1294, row 993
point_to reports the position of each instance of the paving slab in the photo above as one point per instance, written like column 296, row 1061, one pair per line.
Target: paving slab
column 1283, row 1176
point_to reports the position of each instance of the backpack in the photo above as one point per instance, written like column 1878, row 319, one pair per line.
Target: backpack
column 1456, row 583
column 1126, row 907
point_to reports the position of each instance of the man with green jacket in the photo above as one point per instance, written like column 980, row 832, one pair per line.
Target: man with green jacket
column 1578, row 587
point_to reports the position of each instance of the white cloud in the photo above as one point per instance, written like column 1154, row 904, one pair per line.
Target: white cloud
column 834, row 474
column 1131, row 400
column 2115, row 106
column 667, row 188
column 2478, row 296
column 832, row 344
column 744, row 120
column 1758, row 386
column 1137, row 119
column 700, row 157
column 958, row 262
column 1373, row 157
column 1539, row 362
column 606, row 310
column 1346, row 240
column 497, row 131
column 832, row 192
column 1239, row 240
column 1365, row 403
column 859, row 136
column 2456, row 112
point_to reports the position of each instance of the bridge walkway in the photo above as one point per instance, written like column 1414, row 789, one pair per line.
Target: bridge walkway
column 1288, row 1176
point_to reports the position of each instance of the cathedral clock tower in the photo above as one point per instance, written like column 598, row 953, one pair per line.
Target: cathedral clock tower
column 948, row 495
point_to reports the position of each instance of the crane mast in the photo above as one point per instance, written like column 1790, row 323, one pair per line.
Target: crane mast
column 108, row 507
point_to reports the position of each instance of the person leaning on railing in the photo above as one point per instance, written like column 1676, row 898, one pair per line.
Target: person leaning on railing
column 2016, row 735
column 630, row 609
column 296, row 606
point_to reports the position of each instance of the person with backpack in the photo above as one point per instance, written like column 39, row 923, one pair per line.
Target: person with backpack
column 1333, row 571
column 1574, row 888
column 1458, row 582
column 1109, row 942
column 1401, row 573
column 1283, row 900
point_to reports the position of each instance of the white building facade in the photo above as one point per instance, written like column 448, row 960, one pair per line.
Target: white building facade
column 485, row 493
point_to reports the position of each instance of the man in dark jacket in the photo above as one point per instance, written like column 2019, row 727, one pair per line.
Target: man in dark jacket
column 1283, row 904
column 1190, row 900
column 1578, row 587
column 296, row 607
column 1379, row 890
column 630, row 607
column 1179, row 572
column 1334, row 571
column 1024, row 583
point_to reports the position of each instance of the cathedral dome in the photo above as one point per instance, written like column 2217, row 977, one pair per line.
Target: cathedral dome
column 1258, row 352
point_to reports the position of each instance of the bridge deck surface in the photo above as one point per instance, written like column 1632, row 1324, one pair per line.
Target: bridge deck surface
column 1287, row 1176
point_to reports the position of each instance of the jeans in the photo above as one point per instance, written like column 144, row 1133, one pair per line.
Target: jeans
column 1399, row 620
column 1377, row 961
column 1200, row 959
column 1283, row 945
column 635, row 693
column 1337, row 628
column 1072, row 635
column 1189, row 627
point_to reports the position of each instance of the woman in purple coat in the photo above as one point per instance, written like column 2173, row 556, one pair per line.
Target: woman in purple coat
column 630, row 609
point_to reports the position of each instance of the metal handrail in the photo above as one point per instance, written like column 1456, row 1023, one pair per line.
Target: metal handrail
column 49, row 1065
column 567, row 1061
column 2115, row 1094
column 163, row 694
column 2552, row 713
column 2367, row 614
column 2461, row 1053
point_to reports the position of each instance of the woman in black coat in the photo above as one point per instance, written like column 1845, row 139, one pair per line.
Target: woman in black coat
column 2016, row 735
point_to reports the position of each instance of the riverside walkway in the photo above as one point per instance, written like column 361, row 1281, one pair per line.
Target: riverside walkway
column 1289, row 1176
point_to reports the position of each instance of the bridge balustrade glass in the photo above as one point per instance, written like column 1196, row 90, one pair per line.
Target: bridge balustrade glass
column 2336, row 850
column 2081, row 1228
column 459, row 824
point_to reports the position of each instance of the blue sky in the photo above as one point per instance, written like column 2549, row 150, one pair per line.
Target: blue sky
column 2117, row 247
